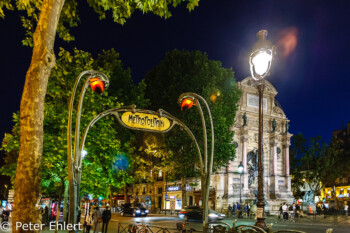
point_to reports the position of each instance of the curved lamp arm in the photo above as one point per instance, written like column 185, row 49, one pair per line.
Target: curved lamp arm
column 188, row 131
column 195, row 97
column 92, row 74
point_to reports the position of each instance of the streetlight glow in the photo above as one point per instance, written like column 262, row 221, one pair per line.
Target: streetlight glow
column 240, row 168
column 261, row 62
column 83, row 153
column 261, row 56
column 240, row 171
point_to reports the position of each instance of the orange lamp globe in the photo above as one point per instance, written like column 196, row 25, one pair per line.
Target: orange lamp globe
column 186, row 103
column 97, row 85
column 213, row 98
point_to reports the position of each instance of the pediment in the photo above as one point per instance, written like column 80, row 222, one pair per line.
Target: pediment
column 250, row 82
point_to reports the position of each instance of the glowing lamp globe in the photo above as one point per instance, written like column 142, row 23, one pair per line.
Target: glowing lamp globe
column 97, row 85
column 213, row 98
column 261, row 57
column 186, row 103
column 262, row 62
column 240, row 168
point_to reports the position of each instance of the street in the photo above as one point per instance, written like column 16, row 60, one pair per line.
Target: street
column 307, row 224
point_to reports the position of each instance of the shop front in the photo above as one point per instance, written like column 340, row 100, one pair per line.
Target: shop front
column 336, row 199
column 173, row 198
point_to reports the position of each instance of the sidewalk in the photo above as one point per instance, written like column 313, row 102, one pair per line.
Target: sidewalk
column 306, row 219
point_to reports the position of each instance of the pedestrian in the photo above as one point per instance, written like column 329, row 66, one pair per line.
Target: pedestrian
column 5, row 214
column 280, row 213
column 97, row 218
column 106, row 216
column 234, row 209
column 346, row 209
column 285, row 211
column 78, row 221
column 310, row 210
column 89, row 222
column 297, row 210
column 45, row 216
column 229, row 210
column 240, row 210
column 318, row 209
column 248, row 209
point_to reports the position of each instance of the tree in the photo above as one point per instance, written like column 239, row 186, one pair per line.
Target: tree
column 104, row 141
column 49, row 17
column 184, row 71
column 308, row 165
column 336, row 164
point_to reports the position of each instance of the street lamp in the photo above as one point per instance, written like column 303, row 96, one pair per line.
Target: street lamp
column 240, row 171
column 98, row 82
column 260, row 61
column 186, row 101
column 83, row 153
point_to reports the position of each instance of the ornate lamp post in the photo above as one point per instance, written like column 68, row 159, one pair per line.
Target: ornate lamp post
column 98, row 82
column 186, row 101
column 240, row 171
column 260, row 61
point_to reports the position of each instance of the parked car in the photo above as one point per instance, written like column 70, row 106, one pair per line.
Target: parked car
column 135, row 210
column 196, row 213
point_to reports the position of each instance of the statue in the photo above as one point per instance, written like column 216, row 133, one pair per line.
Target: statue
column 287, row 127
column 244, row 119
column 274, row 125
column 308, row 199
column 252, row 163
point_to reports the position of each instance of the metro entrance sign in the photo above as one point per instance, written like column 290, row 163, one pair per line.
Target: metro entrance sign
column 145, row 121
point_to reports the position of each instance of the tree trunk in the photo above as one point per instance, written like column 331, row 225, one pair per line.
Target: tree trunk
column 125, row 193
column 153, row 197
column 65, row 201
column 205, row 198
column 28, row 174
column 59, row 206
column 110, row 196
column 183, row 189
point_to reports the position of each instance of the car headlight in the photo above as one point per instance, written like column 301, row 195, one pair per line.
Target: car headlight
column 212, row 215
column 146, row 211
column 138, row 211
column 222, row 215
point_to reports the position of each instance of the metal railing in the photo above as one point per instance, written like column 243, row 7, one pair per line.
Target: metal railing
column 213, row 227
column 141, row 227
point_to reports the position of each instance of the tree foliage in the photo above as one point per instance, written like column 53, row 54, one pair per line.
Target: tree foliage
column 337, row 163
column 43, row 19
column 308, row 165
column 120, row 10
column 315, row 164
column 107, row 146
column 184, row 71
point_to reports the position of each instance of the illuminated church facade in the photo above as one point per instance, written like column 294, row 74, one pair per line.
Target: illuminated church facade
column 276, row 142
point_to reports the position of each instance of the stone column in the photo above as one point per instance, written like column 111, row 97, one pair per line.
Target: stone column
column 274, row 156
column 286, row 153
column 274, row 176
column 244, row 154
column 286, row 156
column 244, row 161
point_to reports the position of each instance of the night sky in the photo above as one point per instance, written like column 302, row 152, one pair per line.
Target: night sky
column 312, row 81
